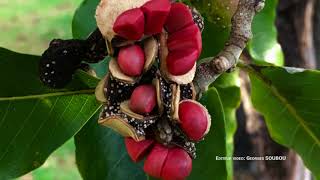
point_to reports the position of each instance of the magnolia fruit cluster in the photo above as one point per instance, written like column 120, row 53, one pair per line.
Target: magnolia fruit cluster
column 148, row 95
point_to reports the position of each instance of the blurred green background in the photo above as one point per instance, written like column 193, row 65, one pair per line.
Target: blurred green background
column 28, row 26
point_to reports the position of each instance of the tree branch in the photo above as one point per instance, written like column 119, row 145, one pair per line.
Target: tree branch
column 240, row 34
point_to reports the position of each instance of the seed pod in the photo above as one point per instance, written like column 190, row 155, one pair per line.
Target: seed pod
column 112, row 90
column 143, row 99
column 179, row 17
column 150, row 47
column 187, row 91
column 108, row 11
column 139, row 122
column 194, row 119
column 156, row 12
column 96, row 49
column 131, row 60
column 116, row 72
column 168, row 97
column 137, row 150
column 114, row 119
column 59, row 62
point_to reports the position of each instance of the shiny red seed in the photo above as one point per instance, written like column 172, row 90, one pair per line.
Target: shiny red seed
column 143, row 99
column 178, row 165
column 137, row 150
column 179, row 17
column 188, row 37
column 130, row 24
column 194, row 119
column 156, row 13
column 155, row 161
column 131, row 60
column 181, row 62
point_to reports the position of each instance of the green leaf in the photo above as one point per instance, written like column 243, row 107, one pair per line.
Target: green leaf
column 264, row 46
column 101, row 154
column 217, row 14
column 36, row 120
column 84, row 21
column 228, row 87
column 206, row 165
column 289, row 99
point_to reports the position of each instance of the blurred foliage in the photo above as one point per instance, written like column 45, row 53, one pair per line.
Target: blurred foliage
column 28, row 26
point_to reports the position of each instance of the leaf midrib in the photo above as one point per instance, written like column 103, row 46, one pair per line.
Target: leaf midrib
column 46, row 95
column 282, row 99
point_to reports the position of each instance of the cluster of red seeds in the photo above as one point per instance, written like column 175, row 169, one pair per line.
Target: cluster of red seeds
column 184, row 45
column 169, row 163
column 184, row 37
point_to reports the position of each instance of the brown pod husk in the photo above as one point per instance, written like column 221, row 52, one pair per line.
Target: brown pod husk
column 108, row 11
column 175, row 102
column 168, row 97
column 183, row 79
column 119, row 75
column 111, row 90
column 99, row 92
column 151, row 47
column 187, row 91
column 112, row 117
column 138, row 121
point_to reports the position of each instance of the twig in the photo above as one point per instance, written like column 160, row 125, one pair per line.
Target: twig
column 240, row 34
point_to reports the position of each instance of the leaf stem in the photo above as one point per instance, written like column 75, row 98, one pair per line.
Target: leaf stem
column 38, row 96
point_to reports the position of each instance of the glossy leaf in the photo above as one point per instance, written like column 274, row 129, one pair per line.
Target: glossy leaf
column 101, row 154
column 228, row 87
column 264, row 45
column 289, row 99
column 36, row 120
column 214, row 144
column 217, row 15
column 84, row 21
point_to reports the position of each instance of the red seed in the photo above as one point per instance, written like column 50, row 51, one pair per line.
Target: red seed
column 179, row 17
column 130, row 24
column 194, row 119
column 188, row 37
column 131, row 60
column 181, row 62
column 137, row 150
column 143, row 99
column 178, row 165
column 156, row 13
column 156, row 160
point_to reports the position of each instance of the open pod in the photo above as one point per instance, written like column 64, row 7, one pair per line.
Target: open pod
column 139, row 122
column 112, row 90
column 117, row 122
